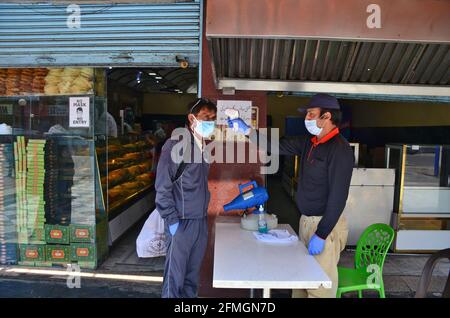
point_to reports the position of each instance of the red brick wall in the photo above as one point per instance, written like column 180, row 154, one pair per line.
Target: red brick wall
column 224, row 178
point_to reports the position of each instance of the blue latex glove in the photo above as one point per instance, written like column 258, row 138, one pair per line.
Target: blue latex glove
column 239, row 125
column 316, row 245
column 173, row 228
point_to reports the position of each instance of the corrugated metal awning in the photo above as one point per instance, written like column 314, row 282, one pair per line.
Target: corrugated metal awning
column 109, row 34
column 337, row 61
column 311, row 46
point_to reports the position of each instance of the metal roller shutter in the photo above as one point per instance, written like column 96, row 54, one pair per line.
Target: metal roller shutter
column 109, row 35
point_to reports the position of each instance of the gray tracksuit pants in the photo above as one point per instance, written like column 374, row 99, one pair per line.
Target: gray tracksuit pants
column 185, row 252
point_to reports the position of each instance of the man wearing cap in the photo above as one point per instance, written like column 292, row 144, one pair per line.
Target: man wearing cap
column 325, row 171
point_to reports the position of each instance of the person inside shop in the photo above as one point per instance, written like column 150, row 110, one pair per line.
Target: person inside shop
column 182, row 199
column 128, row 121
column 326, row 166
column 159, row 131
column 105, row 124
column 60, row 126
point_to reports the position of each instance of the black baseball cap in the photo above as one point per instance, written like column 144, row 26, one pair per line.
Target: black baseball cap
column 321, row 100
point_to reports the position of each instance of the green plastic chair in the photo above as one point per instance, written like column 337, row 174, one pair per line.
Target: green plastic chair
column 371, row 251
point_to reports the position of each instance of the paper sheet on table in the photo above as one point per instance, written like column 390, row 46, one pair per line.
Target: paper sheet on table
column 276, row 236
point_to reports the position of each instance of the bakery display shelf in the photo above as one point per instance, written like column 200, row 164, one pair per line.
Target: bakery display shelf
column 126, row 175
column 119, row 150
column 127, row 172
column 129, row 164
column 122, row 203
column 123, row 184
column 46, row 81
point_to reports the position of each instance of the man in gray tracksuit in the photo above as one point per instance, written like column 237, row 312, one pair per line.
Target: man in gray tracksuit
column 182, row 199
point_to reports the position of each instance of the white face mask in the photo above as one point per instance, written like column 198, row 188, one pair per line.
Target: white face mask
column 311, row 126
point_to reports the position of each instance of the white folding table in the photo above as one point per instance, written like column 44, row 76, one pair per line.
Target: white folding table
column 241, row 261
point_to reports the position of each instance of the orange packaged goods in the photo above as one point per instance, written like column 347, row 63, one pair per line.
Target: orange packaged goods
column 122, row 161
column 22, row 81
column 115, row 193
column 12, row 81
column 68, row 80
column 134, row 170
column 25, row 81
column 133, row 186
column 38, row 81
column 128, row 186
column 117, row 176
column 114, row 164
column 133, row 156
column 146, row 166
column 140, row 144
column 2, row 81
column 145, row 177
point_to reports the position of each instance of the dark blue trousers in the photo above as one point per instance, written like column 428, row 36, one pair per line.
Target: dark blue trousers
column 185, row 252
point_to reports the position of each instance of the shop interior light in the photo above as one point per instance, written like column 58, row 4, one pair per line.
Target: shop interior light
column 158, row 77
column 138, row 77
column 152, row 74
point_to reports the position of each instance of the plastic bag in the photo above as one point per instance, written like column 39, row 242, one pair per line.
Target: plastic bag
column 151, row 239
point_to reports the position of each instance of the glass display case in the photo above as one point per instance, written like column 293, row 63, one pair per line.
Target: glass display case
column 52, row 211
column 422, row 196
column 127, row 170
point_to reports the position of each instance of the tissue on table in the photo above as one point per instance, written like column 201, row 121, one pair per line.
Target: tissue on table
column 276, row 236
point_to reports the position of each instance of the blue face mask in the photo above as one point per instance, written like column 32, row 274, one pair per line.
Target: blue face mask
column 204, row 128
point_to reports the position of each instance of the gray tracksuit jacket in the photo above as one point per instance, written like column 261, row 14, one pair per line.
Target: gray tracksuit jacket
column 188, row 196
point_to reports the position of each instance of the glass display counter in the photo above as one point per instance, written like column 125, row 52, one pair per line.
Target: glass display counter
column 127, row 167
column 51, row 211
column 422, row 196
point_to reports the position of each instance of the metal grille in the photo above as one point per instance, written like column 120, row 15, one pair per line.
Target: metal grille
column 110, row 34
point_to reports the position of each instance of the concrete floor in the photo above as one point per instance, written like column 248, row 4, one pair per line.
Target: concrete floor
column 401, row 275
column 401, row 272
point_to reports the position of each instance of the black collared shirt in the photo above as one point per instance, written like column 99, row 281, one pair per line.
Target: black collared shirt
column 325, row 173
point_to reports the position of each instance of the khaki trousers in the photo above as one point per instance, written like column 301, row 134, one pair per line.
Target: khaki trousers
column 328, row 259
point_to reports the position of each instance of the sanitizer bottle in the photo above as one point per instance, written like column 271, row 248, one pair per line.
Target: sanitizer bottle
column 262, row 222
